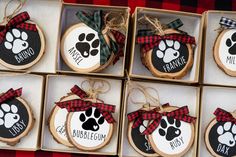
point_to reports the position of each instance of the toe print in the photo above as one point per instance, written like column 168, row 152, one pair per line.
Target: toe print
column 143, row 127
column 82, row 118
column 91, row 119
column 227, row 134
column 89, row 112
column 168, row 50
column 87, row 45
column 16, row 41
column 231, row 44
column 101, row 120
column 8, row 115
column 170, row 128
column 90, row 37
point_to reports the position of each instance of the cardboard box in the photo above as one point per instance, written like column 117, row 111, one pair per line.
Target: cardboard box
column 193, row 25
column 179, row 96
column 39, row 12
column 69, row 18
column 212, row 74
column 212, row 98
column 64, row 84
column 33, row 89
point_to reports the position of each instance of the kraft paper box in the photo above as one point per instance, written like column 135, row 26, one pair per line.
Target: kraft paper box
column 52, row 95
column 47, row 15
column 32, row 93
column 213, row 97
column 212, row 73
column 179, row 96
column 69, row 18
column 193, row 25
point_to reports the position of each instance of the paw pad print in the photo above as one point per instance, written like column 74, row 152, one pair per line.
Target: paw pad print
column 87, row 45
column 227, row 134
column 169, row 128
column 8, row 115
column 143, row 127
column 231, row 43
column 91, row 119
column 168, row 50
column 16, row 41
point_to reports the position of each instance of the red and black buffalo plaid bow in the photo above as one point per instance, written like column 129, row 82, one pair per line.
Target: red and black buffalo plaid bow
column 17, row 22
column 10, row 94
column 224, row 116
column 137, row 117
column 79, row 92
column 180, row 114
column 82, row 105
column 148, row 42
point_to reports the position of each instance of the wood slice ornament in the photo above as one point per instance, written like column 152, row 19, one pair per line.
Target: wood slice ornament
column 220, row 134
column 89, row 123
column 170, row 132
column 167, row 54
column 16, row 117
column 87, row 47
column 136, row 127
column 22, row 43
column 57, row 122
column 225, row 48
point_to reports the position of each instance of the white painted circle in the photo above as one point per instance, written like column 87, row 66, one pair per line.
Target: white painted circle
column 228, row 60
column 168, row 147
column 88, row 138
column 72, row 55
column 59, row 123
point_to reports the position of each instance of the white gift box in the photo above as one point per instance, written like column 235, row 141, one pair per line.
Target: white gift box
column 179, row 96
column 46, row 14
column 69, row 18
column 32, row 93
column 193, row 25
column 212, row 73
column 211, row 99
column 58, row 86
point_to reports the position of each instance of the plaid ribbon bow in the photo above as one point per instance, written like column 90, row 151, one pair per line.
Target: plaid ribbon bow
column 148, row 39
column 179, row 114
column 10, row 94
column 82, row 105
column 17, row 22
column 136, row 116
column 227, row 22
column 224, row 116
column 96, row 23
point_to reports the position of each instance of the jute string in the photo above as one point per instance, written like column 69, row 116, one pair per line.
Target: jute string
column 159, row 28
column 95, row 87
column 7, row 17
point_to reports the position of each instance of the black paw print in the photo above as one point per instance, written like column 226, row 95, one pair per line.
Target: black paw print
column 91, row 119
column 231, row 43
column 170, row 128
column 86, row 42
